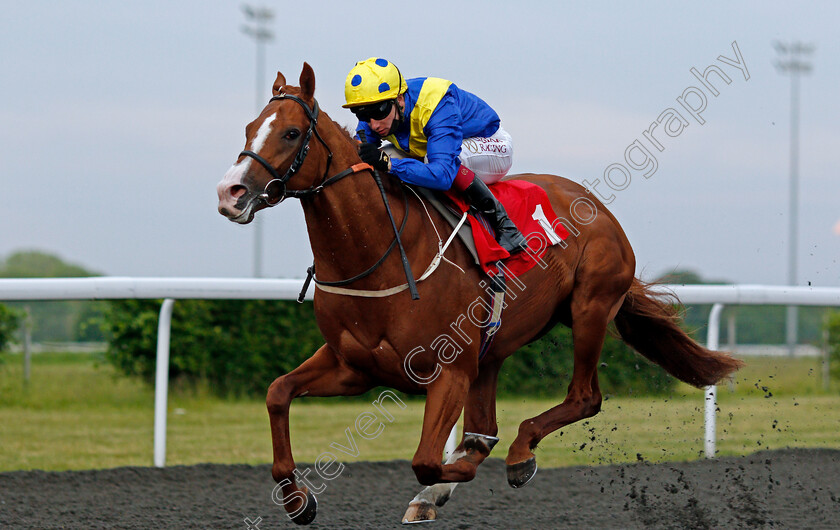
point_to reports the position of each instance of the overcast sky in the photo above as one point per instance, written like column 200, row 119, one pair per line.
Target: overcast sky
column 118, row 119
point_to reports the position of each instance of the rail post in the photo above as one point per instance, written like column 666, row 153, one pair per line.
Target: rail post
column 162, row 380
column 712, row 343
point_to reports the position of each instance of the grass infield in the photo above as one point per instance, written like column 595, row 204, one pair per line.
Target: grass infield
column 77, row 413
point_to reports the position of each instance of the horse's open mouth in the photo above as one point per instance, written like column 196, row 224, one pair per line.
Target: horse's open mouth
column 245, row 216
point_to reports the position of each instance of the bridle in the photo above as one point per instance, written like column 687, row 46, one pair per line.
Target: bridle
column 272, row 198
column 275, row 191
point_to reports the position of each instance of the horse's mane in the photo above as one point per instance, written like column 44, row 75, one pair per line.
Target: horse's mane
column 348, row 133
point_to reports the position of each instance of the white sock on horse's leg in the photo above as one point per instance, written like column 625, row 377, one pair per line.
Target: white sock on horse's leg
column 438, row 494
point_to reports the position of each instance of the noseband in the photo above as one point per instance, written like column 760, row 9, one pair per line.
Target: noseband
column 279, row 183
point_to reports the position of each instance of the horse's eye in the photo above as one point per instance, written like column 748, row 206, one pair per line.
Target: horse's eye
column 291, row 135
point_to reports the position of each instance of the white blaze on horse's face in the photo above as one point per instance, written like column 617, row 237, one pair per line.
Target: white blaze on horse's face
column 235, row 201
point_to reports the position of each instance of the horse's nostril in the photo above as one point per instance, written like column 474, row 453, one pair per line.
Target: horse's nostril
column 238, row 191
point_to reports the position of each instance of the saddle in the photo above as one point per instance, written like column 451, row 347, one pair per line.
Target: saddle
column 445, row 207
column 527, row 205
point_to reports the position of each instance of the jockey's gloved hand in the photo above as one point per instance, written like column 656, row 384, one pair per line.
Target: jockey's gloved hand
column 370, row 154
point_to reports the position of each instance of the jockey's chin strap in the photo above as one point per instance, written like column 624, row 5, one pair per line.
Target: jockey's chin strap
column 279, row 183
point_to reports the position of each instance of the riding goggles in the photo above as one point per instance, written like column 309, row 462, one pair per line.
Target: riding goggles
column 374, row 111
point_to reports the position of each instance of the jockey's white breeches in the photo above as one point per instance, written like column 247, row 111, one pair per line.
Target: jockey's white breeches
column 489, row 158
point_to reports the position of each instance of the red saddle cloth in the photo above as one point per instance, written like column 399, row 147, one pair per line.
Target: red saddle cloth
column 523, row 202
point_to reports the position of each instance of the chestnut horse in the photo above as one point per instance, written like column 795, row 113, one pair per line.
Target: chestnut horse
column 372, row 333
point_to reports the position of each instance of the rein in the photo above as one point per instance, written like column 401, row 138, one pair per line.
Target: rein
column 272, row 198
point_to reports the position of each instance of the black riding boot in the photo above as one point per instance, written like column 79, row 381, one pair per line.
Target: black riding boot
column 483, row 200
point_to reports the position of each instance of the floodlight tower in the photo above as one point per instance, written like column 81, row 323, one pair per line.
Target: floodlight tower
column 793, row 60
column 258, row 18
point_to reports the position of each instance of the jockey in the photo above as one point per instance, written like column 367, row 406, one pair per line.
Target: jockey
column 441, row 137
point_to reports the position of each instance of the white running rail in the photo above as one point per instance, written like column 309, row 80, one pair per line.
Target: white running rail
column 171, row 289
column 720, row 295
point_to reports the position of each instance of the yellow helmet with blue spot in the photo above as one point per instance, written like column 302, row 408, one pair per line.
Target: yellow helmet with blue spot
column 371, row 81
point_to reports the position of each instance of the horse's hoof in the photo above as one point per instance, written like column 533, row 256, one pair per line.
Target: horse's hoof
column 306, row 514
column 520, row 474
column 420, row 512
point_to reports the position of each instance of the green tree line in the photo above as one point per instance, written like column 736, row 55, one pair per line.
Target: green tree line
column 52, row 321
column 239, row 347
column 833, row 330
column 753, row 324
column 9, row 323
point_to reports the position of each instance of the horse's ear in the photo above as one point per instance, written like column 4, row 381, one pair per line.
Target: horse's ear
column 307, row 82
column 279, row 83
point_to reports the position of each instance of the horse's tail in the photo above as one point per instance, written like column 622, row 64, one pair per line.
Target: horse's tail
column 650, row 325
